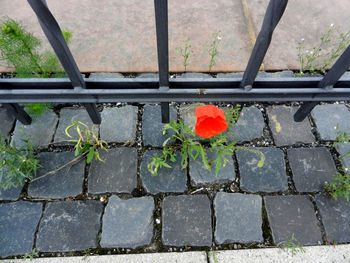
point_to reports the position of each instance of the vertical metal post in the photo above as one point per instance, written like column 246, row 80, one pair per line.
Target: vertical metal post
column 54, row 34
column 273, row 15
column 17, row 111
column 161, row 14
column 328, row 81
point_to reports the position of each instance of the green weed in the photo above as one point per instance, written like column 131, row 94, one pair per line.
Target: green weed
column 293, row 245
column 31, row 256
column 319, row 58
column 185, row 52
column 213, row 49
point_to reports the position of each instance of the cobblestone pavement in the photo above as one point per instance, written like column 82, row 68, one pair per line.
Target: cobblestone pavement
column 118, row 207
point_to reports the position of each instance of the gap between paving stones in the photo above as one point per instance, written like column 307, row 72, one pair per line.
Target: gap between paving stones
column 210, row 191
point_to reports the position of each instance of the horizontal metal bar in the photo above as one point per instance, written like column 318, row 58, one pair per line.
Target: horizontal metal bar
column 176, row 95
column 153, row 83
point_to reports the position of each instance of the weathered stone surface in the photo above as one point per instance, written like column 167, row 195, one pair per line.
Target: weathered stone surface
column 186, row 221
column 172, row 179
column 311, row 168
column 249, row 126
column 271, row 177
column 152, row 126
column 66, row 116
column 335, row 216
column 100, row 75
column 128, row 223
column 69, row 226
column 279, row 74
column 189, row 75
column 67, row 182
column 148, row 76
column 238, row 218
column 230, row 75
column 40, row 132
column 119, row 124
column 344, row 148
column 330, row 116
column 12, row 193
column 187, row 114
column 7, row 121
column 290, row 215
column 285, row 130
column 18, row 222
column 201, row 176
column 117, row 174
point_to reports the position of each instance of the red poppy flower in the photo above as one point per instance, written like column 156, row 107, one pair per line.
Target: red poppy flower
column 210, row 121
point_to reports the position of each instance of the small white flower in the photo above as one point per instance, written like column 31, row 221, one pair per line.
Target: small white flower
column 302, row 39
column 158, row 221
column 311, row 52
column 346, row 169
column 332, row 25
column 219, row 37
column 335, row 127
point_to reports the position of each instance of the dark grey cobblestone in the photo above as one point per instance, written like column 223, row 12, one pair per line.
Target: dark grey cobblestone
column 238, row 218
column 311, row 168
column 128, row 223
column 290, row 215
column 152, row 126
column 18, row 222
column 167, row 180
column 12, row 193
column 148, row 76
column 186, row 221
column 328, row 117
column 69, row 226
column 66, row 116
column 40, row 132
column 201, row 176
column 67, row 182
column 271, row 177
column 230, row 75
column 285, row 130
column 119, row 124
column 117, row 174
column 250, row 126
column 7, row 122
column 342, row 149
column 335, row 216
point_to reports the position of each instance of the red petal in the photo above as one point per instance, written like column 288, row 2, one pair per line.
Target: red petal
column 209, row 111
column 209, row 127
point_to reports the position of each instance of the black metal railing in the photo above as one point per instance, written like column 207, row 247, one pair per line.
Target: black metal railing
column 76, row 89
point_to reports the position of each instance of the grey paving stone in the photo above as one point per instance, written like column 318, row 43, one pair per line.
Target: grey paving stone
column 69, row 226
column 311, row 168
column 189, row 75
column 285, row 130
column 167, row 180
column 200, row 175
column 119, row 124
column 99, row 75
column 328, row 117
column 7, row 121
column 128, row 223
column 271, row 177
column 12, row 193
column 152, row 126
column 40, row 132
column 66, row 116
column 279, row 74
column 342, row 149
column 230, row 75
column 238, row 218
column 18, row 222
column 187, row 114
column 250, row 126
column 335, row 216
column 117, row 174
column 148, row 76
column 186, row 221
column 290, row 215
column 173, row 257
column 67, row 182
